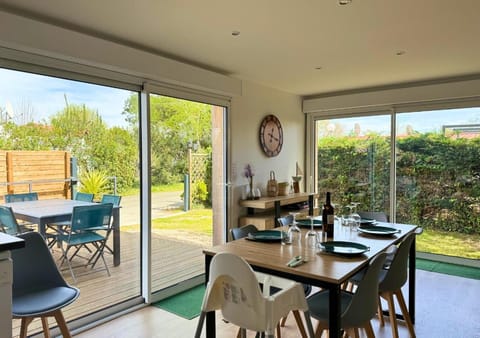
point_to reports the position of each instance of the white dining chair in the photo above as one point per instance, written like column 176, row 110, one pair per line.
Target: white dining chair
column 234, row 289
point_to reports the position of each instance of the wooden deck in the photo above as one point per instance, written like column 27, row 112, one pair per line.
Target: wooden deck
column 174, row 259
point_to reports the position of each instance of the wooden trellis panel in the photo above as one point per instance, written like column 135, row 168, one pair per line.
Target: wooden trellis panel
column 198, row 167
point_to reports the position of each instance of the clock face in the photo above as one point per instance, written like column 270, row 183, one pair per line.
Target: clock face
column 271, row 135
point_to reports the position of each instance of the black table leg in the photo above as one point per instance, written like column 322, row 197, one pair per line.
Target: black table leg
column 411, row 280
column 116, row 236
column 334, row 310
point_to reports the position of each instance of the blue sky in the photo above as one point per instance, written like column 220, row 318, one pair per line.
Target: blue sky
column 46, row 96
column 420, row 121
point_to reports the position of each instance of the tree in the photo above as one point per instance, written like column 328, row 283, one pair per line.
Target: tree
column 174, row 124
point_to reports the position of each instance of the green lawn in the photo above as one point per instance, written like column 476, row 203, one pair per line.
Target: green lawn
column 156, row 188
column 451, row 244
column 195, row 220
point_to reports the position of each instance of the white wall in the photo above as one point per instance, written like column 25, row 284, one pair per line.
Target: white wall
column 248, row 111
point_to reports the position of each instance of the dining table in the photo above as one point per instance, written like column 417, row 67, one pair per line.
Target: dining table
column 47, row 211
column 326, row 270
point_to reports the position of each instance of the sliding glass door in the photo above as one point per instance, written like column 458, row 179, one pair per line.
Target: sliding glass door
column 426, row 172
column 353, row 161
column 438, row 178
column 188, row 202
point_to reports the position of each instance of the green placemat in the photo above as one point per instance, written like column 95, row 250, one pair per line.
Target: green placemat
column 448, row 268
column 186, row 304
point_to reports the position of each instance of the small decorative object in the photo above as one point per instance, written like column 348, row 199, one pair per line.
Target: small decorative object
column 271, row 136
column 272, row 186
column 296, row 179
column 248, row 173
column 283, row 188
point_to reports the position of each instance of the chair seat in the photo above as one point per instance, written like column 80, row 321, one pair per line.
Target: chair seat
column 318, row 304
column 81, row 238
column 43, row 301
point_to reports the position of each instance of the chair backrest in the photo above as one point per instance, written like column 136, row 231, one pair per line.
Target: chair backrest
column 83, row 196
column 91, row 216
column 233, row 288
column 285, row 220
column 114, row 199
column 243, row 232
column 396, row 275
column 379, row 216
column 28, row 196
column 33, row 266
column 8, row 222
column 365, row 300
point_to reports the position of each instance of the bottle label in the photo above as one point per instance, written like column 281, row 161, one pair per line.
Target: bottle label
column 330, row 219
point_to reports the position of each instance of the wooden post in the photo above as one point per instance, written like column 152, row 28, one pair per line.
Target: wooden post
column 10, row 189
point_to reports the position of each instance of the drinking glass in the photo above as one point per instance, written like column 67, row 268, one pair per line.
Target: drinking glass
column 294, row 230
column 311, row 235
column 355, row 218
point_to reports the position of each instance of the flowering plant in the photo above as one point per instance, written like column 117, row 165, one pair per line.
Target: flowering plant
column 248, row 172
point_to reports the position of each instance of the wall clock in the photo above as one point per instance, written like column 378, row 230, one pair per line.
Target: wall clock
column 271, row 135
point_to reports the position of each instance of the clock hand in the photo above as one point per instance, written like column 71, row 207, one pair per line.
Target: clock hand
column 272, row 137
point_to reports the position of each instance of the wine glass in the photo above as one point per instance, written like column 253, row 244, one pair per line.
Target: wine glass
column 311, row 235
column 294, row 231
column 354, row 216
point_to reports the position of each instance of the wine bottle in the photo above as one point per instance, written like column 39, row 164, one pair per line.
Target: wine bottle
column 328, row 217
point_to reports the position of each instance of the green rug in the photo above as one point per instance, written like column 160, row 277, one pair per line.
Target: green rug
column 186, row 304
column 448, row 268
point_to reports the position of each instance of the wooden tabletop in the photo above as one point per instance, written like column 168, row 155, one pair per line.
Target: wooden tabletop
column 321, row 267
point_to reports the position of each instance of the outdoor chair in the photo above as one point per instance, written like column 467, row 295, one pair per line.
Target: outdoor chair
column 115, row 200
column 243, row 232
column 234, row 289
column 83, row 196
column 8, row 222
column 79, row 234
column 52, row 230
column 39, row 289
column 22, row 197
column 357, row 309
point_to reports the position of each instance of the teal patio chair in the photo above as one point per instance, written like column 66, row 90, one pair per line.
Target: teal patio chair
column 83, row 196
column 79, row 234
column 8, row 222
column 114, row 199
column 22, row 197
column 53, row 229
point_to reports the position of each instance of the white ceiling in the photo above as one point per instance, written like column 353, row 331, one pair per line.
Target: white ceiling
column 282, row 42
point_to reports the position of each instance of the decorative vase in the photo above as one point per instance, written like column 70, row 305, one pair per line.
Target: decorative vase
column 250, row 192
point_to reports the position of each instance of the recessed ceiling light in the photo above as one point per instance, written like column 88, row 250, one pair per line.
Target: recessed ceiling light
column 400, row 52
column 344, row 2
column 235, row 33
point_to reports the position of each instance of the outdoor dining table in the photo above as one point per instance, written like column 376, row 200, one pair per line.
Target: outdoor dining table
column 324, row 270
column 46, row 211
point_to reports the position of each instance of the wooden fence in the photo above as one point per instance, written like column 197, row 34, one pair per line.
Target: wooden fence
column 46, row 172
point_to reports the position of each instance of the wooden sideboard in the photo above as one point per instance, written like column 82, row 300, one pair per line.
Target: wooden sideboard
column 264, row 212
